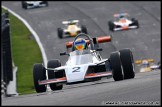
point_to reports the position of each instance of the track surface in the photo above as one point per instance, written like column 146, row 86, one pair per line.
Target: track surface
column 144, row 42
column 144, row 89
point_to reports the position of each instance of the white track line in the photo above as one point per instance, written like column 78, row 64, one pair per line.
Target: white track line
column 33, row 32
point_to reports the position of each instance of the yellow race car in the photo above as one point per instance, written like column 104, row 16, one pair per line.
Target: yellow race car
column 145, row 65
column 72, row 28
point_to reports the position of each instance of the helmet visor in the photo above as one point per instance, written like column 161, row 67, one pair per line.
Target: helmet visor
column 80, row 47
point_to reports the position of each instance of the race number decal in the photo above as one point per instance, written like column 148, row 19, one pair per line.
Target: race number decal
column 76, row 69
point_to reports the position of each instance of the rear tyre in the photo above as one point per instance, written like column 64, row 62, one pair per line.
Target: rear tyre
column 111, row 26
column 116, row 66
column 53, row 75
column 60, row 33
column 127, row 63
column 39, row 73
column 84, row 29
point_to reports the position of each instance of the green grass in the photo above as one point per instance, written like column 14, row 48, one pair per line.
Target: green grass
column 25, row 52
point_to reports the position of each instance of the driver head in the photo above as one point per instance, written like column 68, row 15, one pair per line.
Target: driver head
column 80, row 44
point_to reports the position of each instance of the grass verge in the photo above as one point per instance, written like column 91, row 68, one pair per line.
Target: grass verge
column 25, row 52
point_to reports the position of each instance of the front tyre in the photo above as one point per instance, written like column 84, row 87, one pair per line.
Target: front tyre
column 60, row 33
column 135, row 22
column 45, row 2
column 24, row 5
column 52, row 75
column 84, row 29
column 39, row 73
column 111, row 26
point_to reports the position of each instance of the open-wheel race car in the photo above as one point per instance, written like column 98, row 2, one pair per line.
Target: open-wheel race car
column 146, row 65
column 72, row 28
column 33, row 4
column 123, row 22
column 84, row 64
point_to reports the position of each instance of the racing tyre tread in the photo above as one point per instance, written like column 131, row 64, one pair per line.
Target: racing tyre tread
column 24, row 5
column 127, row 63
column 84, row 29
column 111, row 26
column 51, row 75
column 46, row 2
column 60, row 33
column 135, row 22
column 39, row 73
column 116, row 66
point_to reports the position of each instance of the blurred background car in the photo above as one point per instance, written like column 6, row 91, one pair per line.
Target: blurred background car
column 122, row 22
column 72, row 28
column 34, row 4
column 147, row 65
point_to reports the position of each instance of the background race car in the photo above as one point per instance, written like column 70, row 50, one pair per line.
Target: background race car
column 146, row 65
column 122, row 22
column 72, row 28
column 84, row 65
column 34, row 4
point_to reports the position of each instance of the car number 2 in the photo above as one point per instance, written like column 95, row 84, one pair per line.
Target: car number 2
column 76, row 69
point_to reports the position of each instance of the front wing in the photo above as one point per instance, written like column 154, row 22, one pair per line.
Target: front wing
column 126, row 27
column 64, row 80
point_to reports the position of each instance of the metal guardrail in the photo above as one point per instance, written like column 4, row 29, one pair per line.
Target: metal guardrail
column 6, row 57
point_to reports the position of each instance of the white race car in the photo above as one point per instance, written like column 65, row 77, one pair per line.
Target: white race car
column 34, row 4
column 84, row 65
column 122, row 22
column 72, row 28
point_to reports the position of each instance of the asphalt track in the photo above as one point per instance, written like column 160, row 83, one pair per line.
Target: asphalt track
column 144, row 42
column 144, row 89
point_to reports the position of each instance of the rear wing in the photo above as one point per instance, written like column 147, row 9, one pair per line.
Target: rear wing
column 98, row 40
column 121, row 14
column 140, row 61
column 68, row 22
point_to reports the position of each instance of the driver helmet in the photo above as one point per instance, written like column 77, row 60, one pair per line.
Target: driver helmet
column 80, row 44
column 122, row 17
column 145, row 62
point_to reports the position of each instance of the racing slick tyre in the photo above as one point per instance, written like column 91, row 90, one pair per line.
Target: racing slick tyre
column 84, row 29
column 135, row 22
column 116, row 66
column 127, row 63
column 39, row 73
column 46, row 3
column 111, row 26
column 24, row 5
column 52, row 75
column 60, row 32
